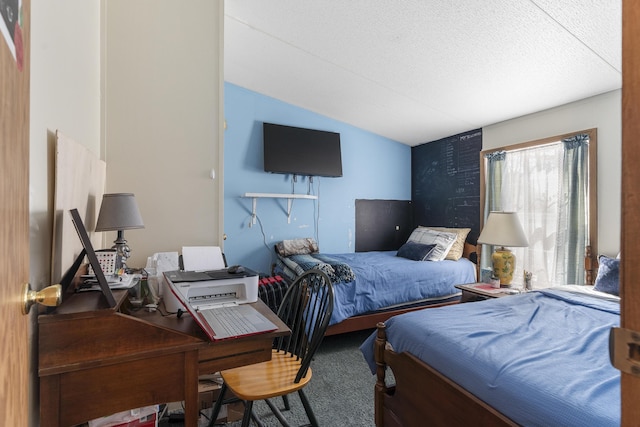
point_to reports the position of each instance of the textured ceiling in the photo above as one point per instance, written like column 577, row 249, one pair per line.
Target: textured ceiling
column 420, row 70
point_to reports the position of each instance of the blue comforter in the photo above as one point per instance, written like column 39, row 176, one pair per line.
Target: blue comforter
column 383, row 280
column 540, row 358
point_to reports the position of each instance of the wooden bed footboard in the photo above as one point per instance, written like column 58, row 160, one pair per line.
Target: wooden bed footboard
column 590, row 266
column 422, row 396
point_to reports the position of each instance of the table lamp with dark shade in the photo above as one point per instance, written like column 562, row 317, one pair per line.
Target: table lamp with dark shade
column 119, row 212
column 503, row 229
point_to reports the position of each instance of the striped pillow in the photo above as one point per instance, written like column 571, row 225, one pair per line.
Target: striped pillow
column 443, row 241
column 457, row 250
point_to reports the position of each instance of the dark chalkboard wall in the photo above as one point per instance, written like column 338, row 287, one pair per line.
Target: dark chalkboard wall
column 445, row 182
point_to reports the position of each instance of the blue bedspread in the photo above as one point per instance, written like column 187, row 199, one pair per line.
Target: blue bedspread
column 540, row 358
column 383, row 279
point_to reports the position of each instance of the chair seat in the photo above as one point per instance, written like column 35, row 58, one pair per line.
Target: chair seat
column 267, row 379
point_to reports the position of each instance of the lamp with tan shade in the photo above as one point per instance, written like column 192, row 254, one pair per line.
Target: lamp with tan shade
column 503, row 229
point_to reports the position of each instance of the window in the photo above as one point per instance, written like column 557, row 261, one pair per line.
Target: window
column 551, row 184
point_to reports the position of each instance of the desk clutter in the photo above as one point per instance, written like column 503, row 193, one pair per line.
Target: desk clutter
column 208, row 392
column 147, row 416
column 271, row 289
column 173, row 412
column 155, row 289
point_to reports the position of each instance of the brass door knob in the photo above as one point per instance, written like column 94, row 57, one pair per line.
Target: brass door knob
column 50, row 296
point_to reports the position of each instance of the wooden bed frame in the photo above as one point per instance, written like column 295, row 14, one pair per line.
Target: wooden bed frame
column 423, row 396
column 370, row 321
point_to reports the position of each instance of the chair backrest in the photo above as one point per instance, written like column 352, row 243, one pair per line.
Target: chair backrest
column 306, row 309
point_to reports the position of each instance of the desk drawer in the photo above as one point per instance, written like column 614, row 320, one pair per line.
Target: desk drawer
column 78, row 396
column 230, row 354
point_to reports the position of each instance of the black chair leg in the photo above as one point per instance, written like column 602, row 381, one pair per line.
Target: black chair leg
column 246, row 419
column 277, row 413
column 307, row 408
column 285, row 400
column 257, row 420
column 218, row 405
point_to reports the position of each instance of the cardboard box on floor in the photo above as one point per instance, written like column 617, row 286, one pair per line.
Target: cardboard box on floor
column 235, row 411
column 140, row 417
column 209, row 392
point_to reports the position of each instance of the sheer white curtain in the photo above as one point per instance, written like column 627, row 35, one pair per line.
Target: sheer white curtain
column 493, row 199
column 531, row 185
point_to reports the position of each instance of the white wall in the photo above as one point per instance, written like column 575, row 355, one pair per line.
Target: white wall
column 163, row 119
column 168, row 64
column 602, row 112
column 65, row 95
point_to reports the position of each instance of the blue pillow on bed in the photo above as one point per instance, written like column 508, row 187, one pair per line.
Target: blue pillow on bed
column 415, row 251
column 608, row 278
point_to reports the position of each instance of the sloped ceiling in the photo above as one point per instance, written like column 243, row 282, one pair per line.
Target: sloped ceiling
column 419, row 70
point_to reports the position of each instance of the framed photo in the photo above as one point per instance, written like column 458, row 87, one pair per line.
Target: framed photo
column 485, row 275
column 91, row 256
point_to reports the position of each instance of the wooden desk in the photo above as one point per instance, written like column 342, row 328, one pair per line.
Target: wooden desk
column 95, row 360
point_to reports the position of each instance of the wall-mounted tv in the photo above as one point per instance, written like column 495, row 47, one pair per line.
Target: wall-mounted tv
column 299, row 151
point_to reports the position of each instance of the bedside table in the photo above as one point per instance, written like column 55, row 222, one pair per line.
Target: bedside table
column 482, row 291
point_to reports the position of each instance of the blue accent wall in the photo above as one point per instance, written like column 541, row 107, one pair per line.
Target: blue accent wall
column 373, row 167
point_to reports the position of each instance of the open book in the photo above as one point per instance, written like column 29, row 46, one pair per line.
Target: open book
column 486, row 287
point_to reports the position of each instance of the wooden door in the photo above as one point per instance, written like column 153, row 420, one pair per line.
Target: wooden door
column 14, row 211
column 630, row 238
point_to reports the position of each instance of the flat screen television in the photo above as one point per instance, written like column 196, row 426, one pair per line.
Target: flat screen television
column 299, row 151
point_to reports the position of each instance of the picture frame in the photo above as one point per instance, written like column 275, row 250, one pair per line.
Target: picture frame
column 91, row 256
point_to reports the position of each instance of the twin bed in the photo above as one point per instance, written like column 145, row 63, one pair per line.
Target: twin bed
column 536, row 359
column 370, row 287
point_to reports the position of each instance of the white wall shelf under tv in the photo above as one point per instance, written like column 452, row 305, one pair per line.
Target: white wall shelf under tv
column 289, row 197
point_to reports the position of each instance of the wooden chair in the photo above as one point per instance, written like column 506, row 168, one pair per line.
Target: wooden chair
column 306, row 309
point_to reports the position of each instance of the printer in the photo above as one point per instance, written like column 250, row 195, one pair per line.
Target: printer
column 202, row 289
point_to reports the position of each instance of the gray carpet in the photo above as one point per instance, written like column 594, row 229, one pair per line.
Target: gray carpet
column 340, row 392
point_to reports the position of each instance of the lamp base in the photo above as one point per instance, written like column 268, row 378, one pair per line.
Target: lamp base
column 122, row 249
column 504, row 263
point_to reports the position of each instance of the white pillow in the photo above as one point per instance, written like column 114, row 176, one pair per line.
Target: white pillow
column 443, row 241
column 457, row 250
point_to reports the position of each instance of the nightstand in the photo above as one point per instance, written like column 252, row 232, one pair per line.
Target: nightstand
column 482, row 291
